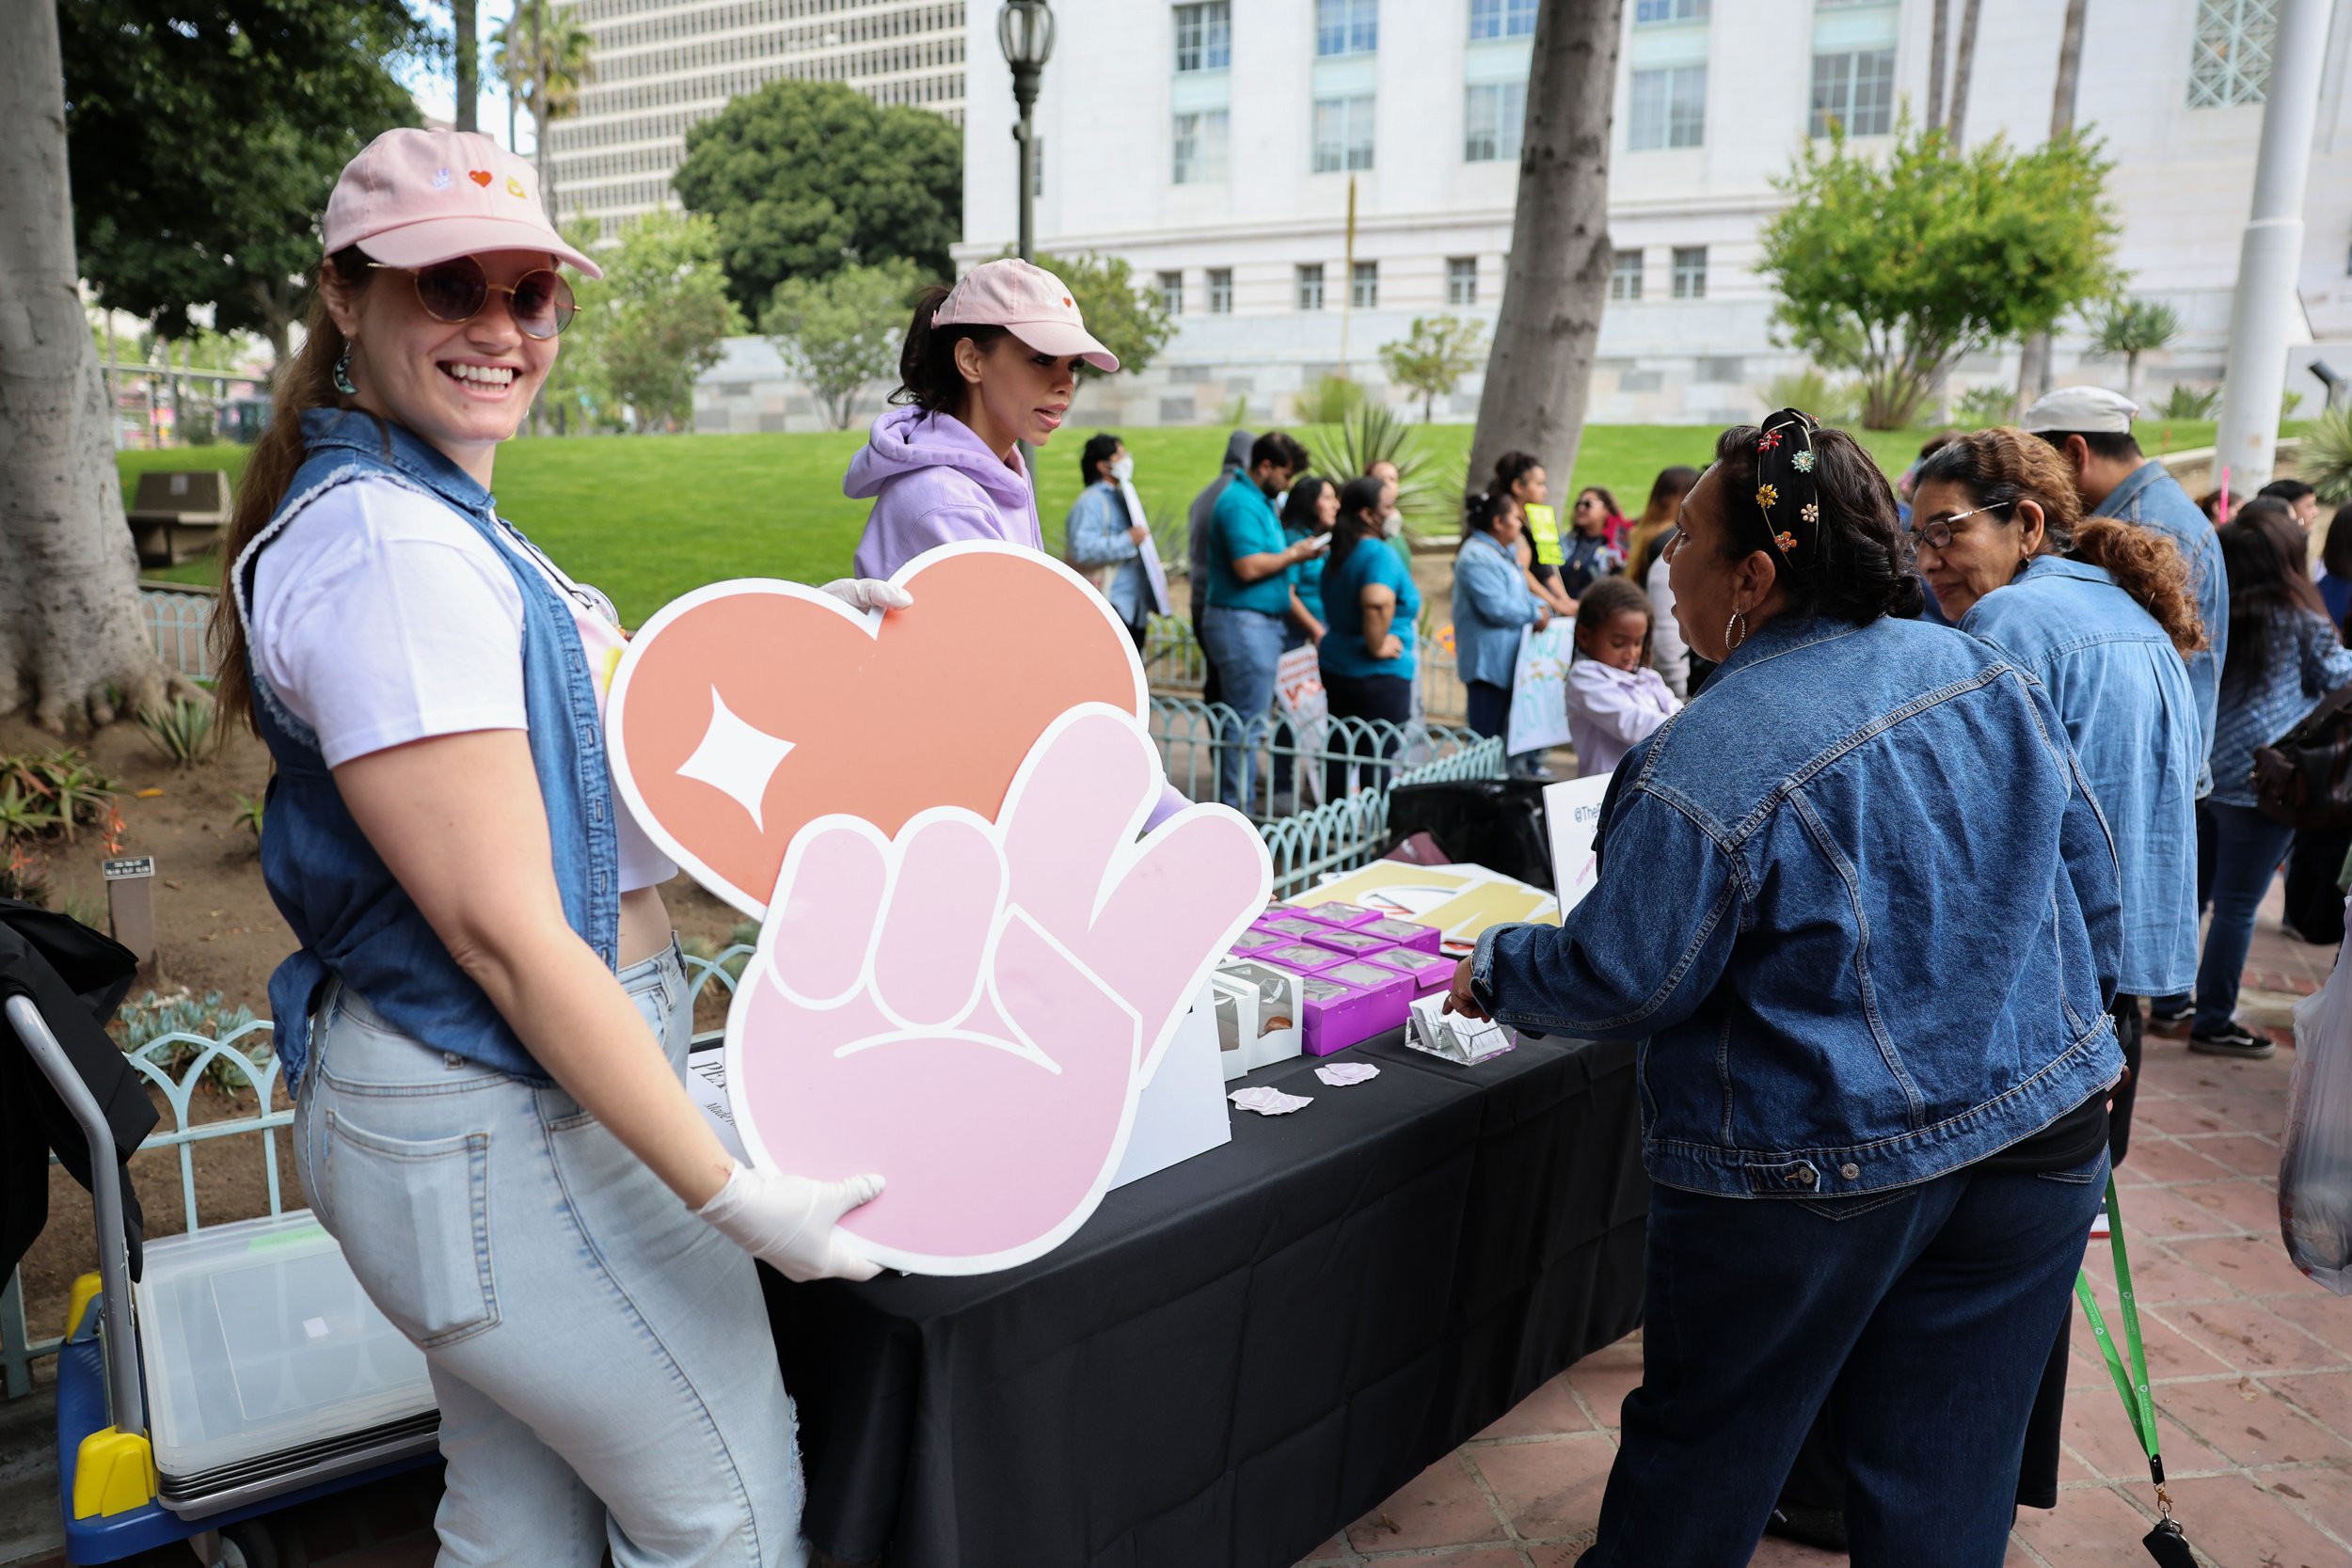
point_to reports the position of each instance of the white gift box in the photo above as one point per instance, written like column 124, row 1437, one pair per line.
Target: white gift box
column 1268, row 1011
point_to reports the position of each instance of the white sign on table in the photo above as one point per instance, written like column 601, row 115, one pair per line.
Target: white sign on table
column 1572, row 817
column 1298, row 692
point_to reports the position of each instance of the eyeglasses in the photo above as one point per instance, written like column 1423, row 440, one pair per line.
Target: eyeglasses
column 1938, row 535
column 455, row 291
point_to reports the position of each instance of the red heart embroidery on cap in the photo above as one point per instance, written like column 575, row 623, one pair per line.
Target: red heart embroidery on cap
column 744, row 710
column 479, row 176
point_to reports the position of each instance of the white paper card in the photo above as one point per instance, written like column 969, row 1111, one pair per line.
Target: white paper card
column 706, row 1083
column 1268, row 1100
column 1572, row 817
column 1339, row 1074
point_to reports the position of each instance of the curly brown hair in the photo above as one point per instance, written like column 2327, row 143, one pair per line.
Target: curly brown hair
column 2002, row 466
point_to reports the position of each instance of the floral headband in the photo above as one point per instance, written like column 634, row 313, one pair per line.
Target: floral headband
column 1787, row 490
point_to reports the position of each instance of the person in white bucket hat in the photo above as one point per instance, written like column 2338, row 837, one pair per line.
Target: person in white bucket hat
column 485, row 1027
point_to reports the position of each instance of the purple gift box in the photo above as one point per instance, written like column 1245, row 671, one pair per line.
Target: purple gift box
column 1391, row 987
column 1356, row 944
column 1258, row 938
column 1300, row 957
column 1298, row 928
column 1406, row 933
column 1345, row 915
column 1351, row 1003
column 1431, row 972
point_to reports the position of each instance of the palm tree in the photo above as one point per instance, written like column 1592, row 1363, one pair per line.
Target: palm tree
column 462, row 33
column 545, row 54
column 2132, row 328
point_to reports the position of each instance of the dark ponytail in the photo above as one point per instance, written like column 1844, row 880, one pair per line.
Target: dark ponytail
column 1857, row 568
column 1359, row 519
column 1480, row 508
column 928, row 376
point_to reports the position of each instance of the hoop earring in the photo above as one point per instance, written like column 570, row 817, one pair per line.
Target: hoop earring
column 342, row 373
column 1735, row 630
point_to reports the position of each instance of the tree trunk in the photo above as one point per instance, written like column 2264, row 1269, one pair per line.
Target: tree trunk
column 2033, row 365
column 511, row 137
column 2131, row 374
column 1964, row 62
column 1940, row 27
column 71, row 626
column 539, row 106
column 468, row 66
column 1539, row 371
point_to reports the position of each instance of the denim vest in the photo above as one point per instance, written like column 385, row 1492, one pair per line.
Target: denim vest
column 353, row 919
column 1858, row 906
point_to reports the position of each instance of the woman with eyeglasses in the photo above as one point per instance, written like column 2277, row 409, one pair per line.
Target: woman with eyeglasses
column 1858, row 910
column 485, row 1027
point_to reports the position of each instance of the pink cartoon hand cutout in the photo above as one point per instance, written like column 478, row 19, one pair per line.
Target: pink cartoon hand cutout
column 971, row 1008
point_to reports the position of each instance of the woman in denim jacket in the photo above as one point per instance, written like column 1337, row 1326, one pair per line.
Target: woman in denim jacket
column 1491, row 602
column 1859, row 908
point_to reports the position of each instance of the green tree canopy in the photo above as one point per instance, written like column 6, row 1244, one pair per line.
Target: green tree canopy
column 1435, row 354
column 805, row 178
column 841, row 333
column 663, row 315
column 204, row 140
column 1894, row 269
column 1125, row 317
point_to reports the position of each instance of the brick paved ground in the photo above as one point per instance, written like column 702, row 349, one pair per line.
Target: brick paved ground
column 2252, row 1365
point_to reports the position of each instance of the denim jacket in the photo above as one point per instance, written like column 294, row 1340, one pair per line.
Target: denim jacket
column 1859, row 906
column 2153, row 498
column 2124, row 698
column 349, row 913
column 1097, row 530
column 1491, row 602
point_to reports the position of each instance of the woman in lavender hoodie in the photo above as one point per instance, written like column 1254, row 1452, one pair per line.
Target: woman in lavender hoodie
column 987, row 364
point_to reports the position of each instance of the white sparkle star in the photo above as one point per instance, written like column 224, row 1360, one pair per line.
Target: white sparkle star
column 736, row 758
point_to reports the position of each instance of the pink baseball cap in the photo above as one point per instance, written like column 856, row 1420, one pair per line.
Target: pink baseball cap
column 414, row 198
column 1026, row 301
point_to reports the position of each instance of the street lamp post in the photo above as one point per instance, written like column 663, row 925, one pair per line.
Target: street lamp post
column 1025, row 30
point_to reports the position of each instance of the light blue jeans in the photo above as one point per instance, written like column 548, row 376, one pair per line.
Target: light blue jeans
column 1244, row 646
column 602, row 1357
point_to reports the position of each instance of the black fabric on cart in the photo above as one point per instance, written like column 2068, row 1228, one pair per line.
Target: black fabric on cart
column 76, row 978
column 1240, row 1355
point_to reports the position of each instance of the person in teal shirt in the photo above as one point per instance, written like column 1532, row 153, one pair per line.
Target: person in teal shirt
column 1251, row 595
column 1370, row 606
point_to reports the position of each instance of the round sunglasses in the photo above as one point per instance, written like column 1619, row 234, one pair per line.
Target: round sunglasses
column 455, row 291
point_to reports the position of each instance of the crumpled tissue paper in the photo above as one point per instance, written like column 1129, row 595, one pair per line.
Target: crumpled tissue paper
column 1339, row 1074
column 1269, row 1101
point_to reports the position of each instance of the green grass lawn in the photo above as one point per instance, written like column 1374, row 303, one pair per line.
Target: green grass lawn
column 647, row 517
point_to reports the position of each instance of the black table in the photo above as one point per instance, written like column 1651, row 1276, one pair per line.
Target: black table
column 1242, row 1353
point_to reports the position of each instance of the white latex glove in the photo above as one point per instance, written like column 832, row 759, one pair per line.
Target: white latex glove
column 869, row 594
column 786, row 1221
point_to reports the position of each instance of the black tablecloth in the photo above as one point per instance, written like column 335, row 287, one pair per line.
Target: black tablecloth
column 1240, row 1355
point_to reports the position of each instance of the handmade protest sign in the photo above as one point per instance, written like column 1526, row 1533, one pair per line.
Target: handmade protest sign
column 1539, row 688
column 971, row 957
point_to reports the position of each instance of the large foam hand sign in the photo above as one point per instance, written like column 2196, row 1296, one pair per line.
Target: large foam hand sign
column 971, row 1007
column 969, row 963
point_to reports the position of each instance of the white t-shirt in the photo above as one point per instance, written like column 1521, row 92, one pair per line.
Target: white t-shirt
column 380, row 617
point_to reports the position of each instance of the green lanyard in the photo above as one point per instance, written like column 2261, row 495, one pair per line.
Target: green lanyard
column 2132, row 1384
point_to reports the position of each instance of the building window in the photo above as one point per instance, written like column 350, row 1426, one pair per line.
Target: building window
column 1853, row 92
column 1625, row 274
column 1648, row 12
column 1172, row 292
column 1461, row 280
column 1204, row 36
column 1220, row 290
column 1311, row 287
column 1364, row 291
column 1668, row 109
column 1347, row 26
column 1691, row 272
column 2230, row 60
column 1197, row 145
column 1342, row 134
column 1501, row 19
column 1493, row 115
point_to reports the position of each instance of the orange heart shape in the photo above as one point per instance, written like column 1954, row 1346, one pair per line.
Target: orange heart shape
column 479, row 176
column 744, row 710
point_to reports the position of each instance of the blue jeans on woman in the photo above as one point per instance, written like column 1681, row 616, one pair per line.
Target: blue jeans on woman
column 2246, row 850
column 1244, row 645
column 1925, row 1314
column 601, row 1355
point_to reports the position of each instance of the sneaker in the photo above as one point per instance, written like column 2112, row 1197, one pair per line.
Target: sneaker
column 2163, row 1020
column 2235, row 1040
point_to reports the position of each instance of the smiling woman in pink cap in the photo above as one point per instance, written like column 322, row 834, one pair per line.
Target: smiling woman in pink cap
column 484, row 1028
column 987, row 364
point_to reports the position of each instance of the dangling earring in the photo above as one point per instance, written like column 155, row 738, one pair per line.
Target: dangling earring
column 1735, row 630
column 342, row 373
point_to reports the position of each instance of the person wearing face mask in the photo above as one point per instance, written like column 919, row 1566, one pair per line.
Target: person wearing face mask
column 1105, row 545
column 485, row 1025
column 986, row 365
column 1391, row 520
column 1491, row 602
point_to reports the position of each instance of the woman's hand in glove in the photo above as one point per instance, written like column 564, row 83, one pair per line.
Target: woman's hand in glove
column 788, row 1222
column 869, row 594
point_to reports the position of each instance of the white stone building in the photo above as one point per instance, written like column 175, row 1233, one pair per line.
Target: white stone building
column 664, row 65
column 1212, row 144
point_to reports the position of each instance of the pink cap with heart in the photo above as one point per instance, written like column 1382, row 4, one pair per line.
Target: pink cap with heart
column 414, row 198
column 1026, row 301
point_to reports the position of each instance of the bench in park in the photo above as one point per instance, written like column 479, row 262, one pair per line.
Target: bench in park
column 175, row 516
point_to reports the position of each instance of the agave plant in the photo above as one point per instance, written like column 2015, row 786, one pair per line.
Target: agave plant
column 2190, row 403
column 2327, row 457
column 1427, row 491
column 183, row 732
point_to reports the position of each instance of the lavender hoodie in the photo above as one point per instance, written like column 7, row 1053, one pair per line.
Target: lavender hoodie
column 934, row 481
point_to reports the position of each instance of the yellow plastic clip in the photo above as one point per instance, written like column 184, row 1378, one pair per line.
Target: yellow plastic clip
column 114, row 1472
column 86, row 1290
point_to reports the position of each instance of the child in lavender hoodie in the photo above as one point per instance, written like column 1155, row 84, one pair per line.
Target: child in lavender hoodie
column 1615, row 700
column 986, row 365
